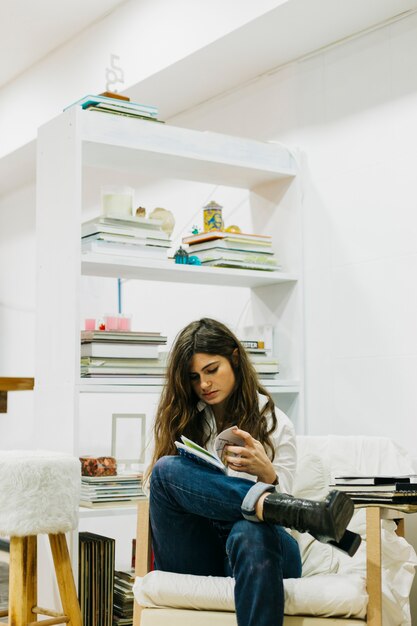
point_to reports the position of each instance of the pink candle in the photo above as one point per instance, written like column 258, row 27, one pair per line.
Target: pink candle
column 112, row 322
column 124, row 322
column 90, row 324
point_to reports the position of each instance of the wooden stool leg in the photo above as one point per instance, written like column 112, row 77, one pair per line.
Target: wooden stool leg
column 22, row 580
column 65, row 578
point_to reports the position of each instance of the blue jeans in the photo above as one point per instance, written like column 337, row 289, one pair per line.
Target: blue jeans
column 198, row 528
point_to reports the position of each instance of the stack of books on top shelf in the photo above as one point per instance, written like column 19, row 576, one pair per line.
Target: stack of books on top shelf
column 131, row 236
column 122, row 353
column 394, row 490
column 117, row 105
column 110, row 491
column 96, row 578
column 219, row 248
column 265, row 365
column 123, row 598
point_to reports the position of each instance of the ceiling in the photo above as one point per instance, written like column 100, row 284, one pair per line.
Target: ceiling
column 31, row 29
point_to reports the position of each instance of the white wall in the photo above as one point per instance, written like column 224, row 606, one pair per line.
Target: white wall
column 17, row 312
column 352, row 111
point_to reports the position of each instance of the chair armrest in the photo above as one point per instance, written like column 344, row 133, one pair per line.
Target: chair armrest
column 143, row 550
column 143, row 539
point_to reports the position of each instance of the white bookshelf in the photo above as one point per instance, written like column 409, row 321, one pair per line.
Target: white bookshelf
column 78, row 142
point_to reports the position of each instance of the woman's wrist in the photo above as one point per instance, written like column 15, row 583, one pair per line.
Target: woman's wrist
column 269, row 477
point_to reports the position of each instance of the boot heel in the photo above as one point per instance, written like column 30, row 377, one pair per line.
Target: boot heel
column 348, row 544
column 340, row 509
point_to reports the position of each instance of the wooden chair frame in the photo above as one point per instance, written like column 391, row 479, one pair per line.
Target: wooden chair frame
column 374, row 514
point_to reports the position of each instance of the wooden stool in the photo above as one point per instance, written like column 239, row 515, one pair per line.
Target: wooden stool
column 39, row 494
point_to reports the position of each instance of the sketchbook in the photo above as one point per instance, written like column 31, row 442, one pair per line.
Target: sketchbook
column 197, row 453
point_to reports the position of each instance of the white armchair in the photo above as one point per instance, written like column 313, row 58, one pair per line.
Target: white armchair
column 371, row 588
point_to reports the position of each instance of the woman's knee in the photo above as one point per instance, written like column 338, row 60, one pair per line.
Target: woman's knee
column 164, row 467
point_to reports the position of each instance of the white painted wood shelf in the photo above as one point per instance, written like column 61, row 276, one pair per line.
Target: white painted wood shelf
column 155, row 385
column 80, row 146
column 168, row 271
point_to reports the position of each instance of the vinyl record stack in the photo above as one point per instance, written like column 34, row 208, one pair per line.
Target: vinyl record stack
column 96, row 578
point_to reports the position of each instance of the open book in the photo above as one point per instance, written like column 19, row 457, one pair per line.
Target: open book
column 193, row 451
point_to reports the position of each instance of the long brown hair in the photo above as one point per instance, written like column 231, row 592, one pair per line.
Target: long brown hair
column 177, row 412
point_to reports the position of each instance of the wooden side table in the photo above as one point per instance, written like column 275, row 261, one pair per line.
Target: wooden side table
column 374, row 514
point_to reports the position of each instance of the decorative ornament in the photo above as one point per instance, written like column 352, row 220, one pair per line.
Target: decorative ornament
column 194, row 230
column 167, row 218
column 181, row 256
column 140, row 211
column 193, row 260
column 233, row 229
column 213, row 219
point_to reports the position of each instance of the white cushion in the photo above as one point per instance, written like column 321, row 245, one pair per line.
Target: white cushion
column 40, row 492
column 326, row 595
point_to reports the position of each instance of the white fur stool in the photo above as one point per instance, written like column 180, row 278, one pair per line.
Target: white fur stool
column 39, row 494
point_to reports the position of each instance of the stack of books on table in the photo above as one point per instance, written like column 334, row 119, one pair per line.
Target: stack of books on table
column 397, row 490
column 96, row 578
column 122, row 353
column 264, row 363
column 222, row 249
column 131, row 236
column 118, row 105
column 110, row 491
column 123, row 598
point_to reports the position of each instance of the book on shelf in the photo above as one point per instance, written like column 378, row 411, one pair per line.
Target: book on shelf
column 197, row 453
column 125, row 250
column 384, row 497
column 126, row 239
column 119, row 350
column 265, row 247
column 221, row 234
column 248, row 265
column 251, row 344
column 375, row 480
column 131, row 336
column 124, row 113
column 236, row 255
column 87, row 371
column 123, row 227
column 385, row 487
column 96, row 559
column 123, row 105
column 92, row 361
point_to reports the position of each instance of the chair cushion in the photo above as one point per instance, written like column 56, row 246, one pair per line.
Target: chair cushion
column 325, row 595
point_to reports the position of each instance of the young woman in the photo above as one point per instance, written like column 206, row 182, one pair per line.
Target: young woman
column 207, row 523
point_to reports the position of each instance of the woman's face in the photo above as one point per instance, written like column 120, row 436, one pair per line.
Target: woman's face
column 212, row 378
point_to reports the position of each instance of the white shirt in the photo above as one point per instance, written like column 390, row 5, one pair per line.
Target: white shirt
column 282, row 438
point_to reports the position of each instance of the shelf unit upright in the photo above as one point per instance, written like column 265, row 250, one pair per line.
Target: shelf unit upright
column 67, row 147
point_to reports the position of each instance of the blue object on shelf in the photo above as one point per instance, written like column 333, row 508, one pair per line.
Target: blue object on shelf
column 194, row 260
column 181, row 256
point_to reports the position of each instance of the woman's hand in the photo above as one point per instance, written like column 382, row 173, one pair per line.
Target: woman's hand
column 251, row 458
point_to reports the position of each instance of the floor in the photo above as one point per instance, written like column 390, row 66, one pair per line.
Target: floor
column 4, row 585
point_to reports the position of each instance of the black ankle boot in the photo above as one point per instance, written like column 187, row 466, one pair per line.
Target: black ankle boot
column 325, row 520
